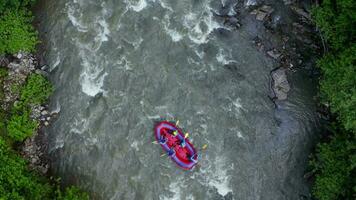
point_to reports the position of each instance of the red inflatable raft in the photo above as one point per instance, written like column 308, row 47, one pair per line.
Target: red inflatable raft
column 178, row 148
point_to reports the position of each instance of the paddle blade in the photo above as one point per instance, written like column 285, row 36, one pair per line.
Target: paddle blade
column 204, row 147
column 177, row 123
column 186, row 135
column 154, row 142
column 163, row 155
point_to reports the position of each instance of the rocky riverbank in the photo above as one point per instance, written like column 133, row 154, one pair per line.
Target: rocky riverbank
column 19, row 67
column 283, row 30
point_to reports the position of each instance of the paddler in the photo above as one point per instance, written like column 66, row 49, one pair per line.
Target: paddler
column 171, row 152
column 162, row 140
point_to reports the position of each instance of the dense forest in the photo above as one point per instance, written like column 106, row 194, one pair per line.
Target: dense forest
column 334, row 163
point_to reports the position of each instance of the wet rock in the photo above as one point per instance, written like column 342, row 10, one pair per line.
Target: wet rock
column 301, row 12
column 274, row 54
column 44, row 68
column 46, row 123
column 262, row 12
column 288, row 2
column 260, row 16
column 232, row 22
column 18, row 55
column 280, row 85
column 4, row 61
column 250, row 3
column 44, row 112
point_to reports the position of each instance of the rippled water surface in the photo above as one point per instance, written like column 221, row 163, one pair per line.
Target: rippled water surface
column 118, row 66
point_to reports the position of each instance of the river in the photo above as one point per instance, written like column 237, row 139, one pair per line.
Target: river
column 120, row 66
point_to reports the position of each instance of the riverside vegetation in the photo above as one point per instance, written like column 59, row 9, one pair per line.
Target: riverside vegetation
column 17, row 181
column 334, row 163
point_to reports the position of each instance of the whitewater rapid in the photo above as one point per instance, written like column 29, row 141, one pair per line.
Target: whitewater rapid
column 120, row 66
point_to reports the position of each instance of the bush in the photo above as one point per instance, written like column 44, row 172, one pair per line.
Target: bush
column 337, row 20
column 14, row 4
column 16, row 32
column 338, row 85
column 21, row 126
column 16, row 182
column 335, row 164
column 72, row 193
column 36, row 91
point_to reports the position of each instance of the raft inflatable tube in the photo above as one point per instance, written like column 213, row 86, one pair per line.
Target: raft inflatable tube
column 185, row 156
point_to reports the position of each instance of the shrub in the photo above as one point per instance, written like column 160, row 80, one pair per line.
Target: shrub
column 72, row 193
column 36, row 91
column 335, row 164
column 338, row 85
column 21, row 126
column 337, row 20
column 16, row 181
column 16, row 32
column 14, row 4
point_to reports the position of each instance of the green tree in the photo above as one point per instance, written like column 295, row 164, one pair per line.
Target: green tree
column 16, row 32
column 36, row 91
column 16, row 181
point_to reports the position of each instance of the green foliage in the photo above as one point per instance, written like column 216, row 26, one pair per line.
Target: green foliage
column 16, row 182
column 338, row 85
column 3, row 74
column 16, row 32
column 335, row 164
column 337, row 21
column 335, row 161
column 21, row 126
column 72, row 193
column 14, row 4
column 37, row 90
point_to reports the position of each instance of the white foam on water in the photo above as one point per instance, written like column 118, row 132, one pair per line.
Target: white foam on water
column 239, row 135
column 251, row 3
column 103, row 35
column 200, row 25
column 232, row 11
column 74, row 17
column 93, row 75
column 222, row 58
column 223, row 2
column 173, row 33
column 56, row 63
column 220, row 179
column 136, row 6
column 165, row 5
column 200, row 54
column 92, row 79
column 134, row 145
column 57, row 109
column 175, row 189
column 237, row 103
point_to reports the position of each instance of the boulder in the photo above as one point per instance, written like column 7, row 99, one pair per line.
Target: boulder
column 280, row 84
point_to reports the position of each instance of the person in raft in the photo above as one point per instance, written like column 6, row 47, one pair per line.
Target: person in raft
column 162, row 139
column 171, row 152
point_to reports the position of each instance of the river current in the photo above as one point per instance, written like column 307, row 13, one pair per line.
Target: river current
column 120, row 66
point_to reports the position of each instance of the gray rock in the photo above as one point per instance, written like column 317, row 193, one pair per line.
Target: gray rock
column 249, row 3
column 46, row 123
column 274, row 54
column 19, row 55
column 44, row 112
column 280, row 86
column 260, row 16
